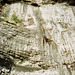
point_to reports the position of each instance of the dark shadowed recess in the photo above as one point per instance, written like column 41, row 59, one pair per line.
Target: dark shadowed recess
column 9, row 1
column 71, row 2
column 5, row 66
column 6, row 62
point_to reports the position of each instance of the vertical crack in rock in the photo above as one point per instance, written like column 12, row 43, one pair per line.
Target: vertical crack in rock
column 68, row 69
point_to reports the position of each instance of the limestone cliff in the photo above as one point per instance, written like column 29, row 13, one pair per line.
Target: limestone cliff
column 37, row 38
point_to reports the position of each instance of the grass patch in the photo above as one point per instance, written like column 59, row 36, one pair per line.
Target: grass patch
column 1, row 19
column 15, row 19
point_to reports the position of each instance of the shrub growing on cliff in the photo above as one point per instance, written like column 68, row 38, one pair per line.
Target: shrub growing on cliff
column 15, row 19
column 1, row 19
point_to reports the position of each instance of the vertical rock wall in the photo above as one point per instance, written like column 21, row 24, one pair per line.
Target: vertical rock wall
column 40, row 42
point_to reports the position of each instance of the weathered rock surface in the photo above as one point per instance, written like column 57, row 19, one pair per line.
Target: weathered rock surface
column 42, row 43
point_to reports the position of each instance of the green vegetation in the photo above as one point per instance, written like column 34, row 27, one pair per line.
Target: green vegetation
column 1, row 19
column 15, row 19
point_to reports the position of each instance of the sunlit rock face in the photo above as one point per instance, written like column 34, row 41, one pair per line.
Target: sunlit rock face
column 37, row 40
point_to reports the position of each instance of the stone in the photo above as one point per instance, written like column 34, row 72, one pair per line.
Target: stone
column 42, row 44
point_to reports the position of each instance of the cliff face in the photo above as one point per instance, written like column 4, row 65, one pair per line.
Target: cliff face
column 37, row 39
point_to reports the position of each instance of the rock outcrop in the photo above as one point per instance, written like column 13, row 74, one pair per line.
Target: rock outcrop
column 37, row 39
